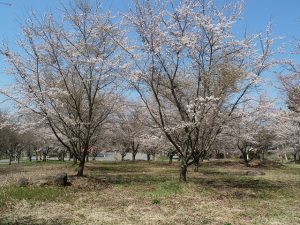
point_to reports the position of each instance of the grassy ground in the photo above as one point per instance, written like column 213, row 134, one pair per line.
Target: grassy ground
column 149, row 193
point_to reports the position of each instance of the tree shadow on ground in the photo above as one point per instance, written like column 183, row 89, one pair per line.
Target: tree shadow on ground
column 267, row 164
column 32, row 221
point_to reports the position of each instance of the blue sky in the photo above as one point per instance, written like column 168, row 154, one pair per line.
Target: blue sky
column 285, row 16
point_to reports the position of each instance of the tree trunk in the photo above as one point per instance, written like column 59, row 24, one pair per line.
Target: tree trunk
column 262, row 156
column 183, row 170
column 148, row 157
column 81, row 163
column 70, row 156
column 122, row 157
column 10, row 159
column 133, row 156
column 246, row 158
column 75, row 160
column 80, row 168
column 87, row 157
column 196, row 164
column 170, row 159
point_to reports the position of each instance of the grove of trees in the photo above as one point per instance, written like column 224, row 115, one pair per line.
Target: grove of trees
column 167, row 77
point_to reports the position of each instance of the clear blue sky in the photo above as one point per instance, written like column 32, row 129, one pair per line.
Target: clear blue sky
column 257, row 13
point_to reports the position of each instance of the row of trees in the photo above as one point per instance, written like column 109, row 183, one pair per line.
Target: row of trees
column 170, row 76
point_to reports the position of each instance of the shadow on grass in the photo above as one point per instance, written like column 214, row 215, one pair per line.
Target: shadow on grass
column 32, row 194
column 32, row 221
column 124, row 166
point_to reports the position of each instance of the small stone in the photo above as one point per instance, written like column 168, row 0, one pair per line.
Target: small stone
column 23, row 182
column 61, row 179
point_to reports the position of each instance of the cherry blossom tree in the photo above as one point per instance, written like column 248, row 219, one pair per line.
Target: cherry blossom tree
column 67, row 72
column 250, row 128
column 129, row 128
column 287, row 130
column 190, row 71
column 286, row 121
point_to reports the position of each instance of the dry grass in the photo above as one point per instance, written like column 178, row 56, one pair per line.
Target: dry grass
column 149, row 193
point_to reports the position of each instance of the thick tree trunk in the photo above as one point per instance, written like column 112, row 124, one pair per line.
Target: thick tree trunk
column 170, row 159
column 183, row 170
column 80, row 168
column 133, row 156
column 148, row 157
column 122, row 157
column 81, row 163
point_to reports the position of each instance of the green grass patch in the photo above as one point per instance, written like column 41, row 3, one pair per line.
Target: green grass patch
column 166, row 189
column 33, row 194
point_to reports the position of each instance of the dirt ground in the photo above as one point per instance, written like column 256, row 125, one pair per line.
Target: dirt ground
column 221, row 193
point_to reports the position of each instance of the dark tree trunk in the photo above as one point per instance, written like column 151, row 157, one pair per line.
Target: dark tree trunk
column 10, row 159
column 133, row 156
column 81, row 163
column 80, row 168
column 148, row 157
column 122, row 157
column 295, row 157
column 183, row 170
column 70, row 156
column 63, row 156
column 196, row 164
column 170, row 159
